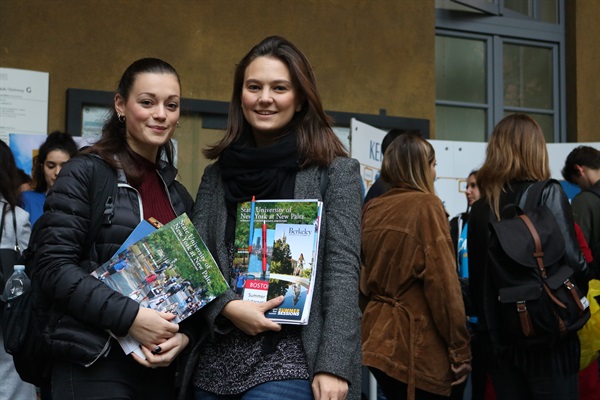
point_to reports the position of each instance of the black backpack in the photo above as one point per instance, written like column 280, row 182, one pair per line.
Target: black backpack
column 21, row 330
column 538, row 299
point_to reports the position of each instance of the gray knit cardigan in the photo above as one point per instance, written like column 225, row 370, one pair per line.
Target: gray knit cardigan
column 331, row 340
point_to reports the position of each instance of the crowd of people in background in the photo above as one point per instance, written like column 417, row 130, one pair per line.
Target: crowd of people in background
column 402, row 289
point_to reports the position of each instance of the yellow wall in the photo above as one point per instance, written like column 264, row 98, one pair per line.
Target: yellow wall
column 583, row 70
column 367, row 55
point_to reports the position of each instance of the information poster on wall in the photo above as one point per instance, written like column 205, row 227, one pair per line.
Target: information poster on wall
column 23, row 102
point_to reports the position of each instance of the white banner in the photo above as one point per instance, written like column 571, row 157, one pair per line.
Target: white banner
column 455, row 160
column 365, row 146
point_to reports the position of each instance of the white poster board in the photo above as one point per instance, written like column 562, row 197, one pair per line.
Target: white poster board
column 365, row 146
column 455, row 160
column 23, row 102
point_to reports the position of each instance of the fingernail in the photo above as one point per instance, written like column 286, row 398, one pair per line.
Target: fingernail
column 156, row 350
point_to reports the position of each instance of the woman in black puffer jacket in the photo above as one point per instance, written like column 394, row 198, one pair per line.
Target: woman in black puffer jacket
column 78, row 309
column 516, row 158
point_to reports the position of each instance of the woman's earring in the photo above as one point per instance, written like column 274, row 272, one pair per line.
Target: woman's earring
column 121, row 118
column 178, row 124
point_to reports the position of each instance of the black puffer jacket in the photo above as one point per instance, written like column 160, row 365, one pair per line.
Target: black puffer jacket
column 75, row 309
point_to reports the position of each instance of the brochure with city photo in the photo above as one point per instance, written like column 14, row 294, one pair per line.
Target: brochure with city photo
column 277, row 244
column 167, row 269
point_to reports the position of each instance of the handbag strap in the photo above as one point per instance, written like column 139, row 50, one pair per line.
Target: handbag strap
column 14, row 218
column 2, row 219
column 17, row 247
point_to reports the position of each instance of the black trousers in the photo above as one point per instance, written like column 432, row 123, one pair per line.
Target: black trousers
column 482, row 354
column 117, row 377
column 513, row 384
column 397, row 390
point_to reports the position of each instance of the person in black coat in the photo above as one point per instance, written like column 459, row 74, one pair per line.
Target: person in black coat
column 516, row 158
column 458, row 223
column 77, row 311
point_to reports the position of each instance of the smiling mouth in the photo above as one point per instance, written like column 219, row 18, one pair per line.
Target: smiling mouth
column 266, row 112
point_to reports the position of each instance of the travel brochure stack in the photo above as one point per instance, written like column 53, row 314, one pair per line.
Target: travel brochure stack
column 277, row 244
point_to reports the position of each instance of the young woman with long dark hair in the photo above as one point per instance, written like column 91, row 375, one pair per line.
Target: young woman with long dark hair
column 76, row 310
column 277, row 141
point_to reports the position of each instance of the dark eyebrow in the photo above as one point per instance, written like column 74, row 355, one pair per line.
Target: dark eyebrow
column 154, row 95
column 275, row 82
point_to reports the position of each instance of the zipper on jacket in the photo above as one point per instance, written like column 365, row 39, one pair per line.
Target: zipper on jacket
column 168, row 194
column 137, row 194
column 103, row 352
column 139, row 197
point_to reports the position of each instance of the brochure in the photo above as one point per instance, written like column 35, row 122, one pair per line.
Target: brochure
column 167, row 269
column 277, row 243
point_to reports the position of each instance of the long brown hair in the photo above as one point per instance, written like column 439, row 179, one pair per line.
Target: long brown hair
column 113, row 146
column 407, row 161
column 317, row 143
column 516, row 152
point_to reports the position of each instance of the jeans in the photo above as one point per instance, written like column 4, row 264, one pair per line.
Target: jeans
column 116, row 377
column 292, row 389
column 512, row 384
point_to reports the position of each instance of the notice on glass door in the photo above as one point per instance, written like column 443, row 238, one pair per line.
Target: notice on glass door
column 23, row 102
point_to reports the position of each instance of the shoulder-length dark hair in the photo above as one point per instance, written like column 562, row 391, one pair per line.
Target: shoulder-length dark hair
column 113, row 146
column 9, row 178
column 317, row 143
column 56, row 140
column 516, row 152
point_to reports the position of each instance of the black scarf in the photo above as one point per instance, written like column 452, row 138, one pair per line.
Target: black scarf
column 267, row 172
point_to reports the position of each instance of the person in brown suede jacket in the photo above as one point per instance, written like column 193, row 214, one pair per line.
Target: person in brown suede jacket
column 414, row 335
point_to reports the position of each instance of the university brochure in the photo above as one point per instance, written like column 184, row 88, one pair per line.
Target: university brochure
column 167, row 269
column 277, row 243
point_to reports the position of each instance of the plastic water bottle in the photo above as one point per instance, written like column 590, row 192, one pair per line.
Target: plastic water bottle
column 17, row 284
